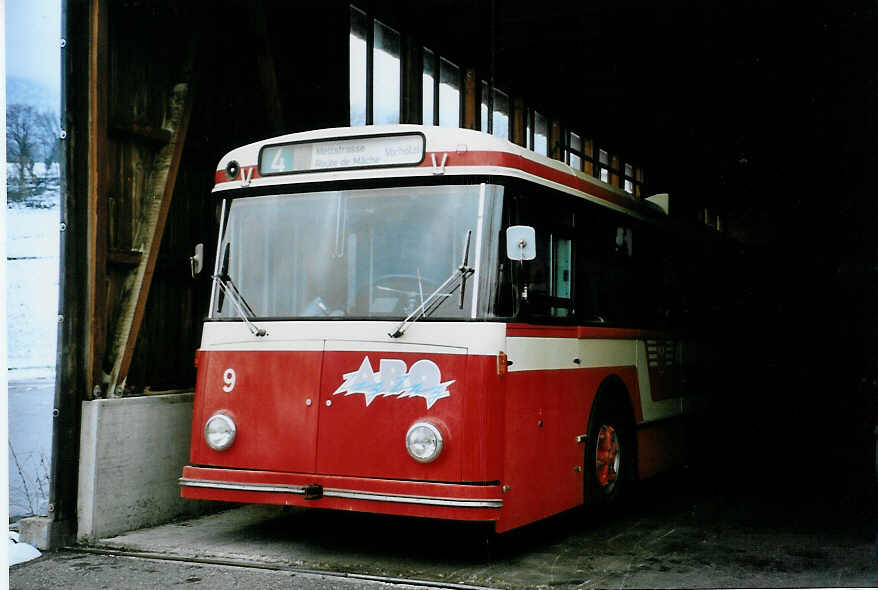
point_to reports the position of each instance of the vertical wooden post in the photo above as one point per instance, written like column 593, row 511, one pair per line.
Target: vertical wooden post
column 412, row 102
column 614, row 169
column 556, row 144
column 519, row 125
column 589, row 155
column 638, row 182
column 470, row 100
column 70, row 385
column 96, row 244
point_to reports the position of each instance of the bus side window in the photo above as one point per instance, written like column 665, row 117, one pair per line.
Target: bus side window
column 659, row 279
column 505, row 300
column 608, row 288
column 549, row 278
column 622, row 276
column 561, row 276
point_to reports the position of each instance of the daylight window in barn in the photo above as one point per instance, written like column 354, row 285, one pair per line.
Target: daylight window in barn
column 375, row 71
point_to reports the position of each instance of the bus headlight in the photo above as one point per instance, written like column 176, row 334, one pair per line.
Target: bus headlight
column 219, row 432
column 423, row 441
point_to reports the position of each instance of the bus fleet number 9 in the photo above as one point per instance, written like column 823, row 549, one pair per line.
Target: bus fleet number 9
column 229, row 378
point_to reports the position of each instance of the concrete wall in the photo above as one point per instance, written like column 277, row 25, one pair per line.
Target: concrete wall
column 132, row 451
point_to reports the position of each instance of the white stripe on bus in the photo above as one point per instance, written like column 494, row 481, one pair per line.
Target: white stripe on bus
column 455, row 338
column 476, row 338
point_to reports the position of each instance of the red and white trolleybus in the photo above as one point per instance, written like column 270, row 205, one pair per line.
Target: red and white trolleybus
column 430, row 322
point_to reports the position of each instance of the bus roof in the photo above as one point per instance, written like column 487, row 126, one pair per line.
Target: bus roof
column 407, row 151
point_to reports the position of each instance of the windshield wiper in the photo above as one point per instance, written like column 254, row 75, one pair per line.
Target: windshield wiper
column 437, row 298
column 227, row 285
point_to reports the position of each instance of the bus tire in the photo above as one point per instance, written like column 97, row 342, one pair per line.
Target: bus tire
column 609, row 452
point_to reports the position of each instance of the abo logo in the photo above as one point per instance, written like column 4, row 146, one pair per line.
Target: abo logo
column 393, row 379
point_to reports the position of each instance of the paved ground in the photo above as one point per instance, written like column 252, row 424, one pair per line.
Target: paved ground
column 79, row 571
column 668, row 536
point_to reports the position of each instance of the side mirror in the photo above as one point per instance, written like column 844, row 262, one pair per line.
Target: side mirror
column 521, row 243
column 196, row 262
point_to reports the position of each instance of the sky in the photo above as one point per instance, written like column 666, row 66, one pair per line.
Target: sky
column 33, row 33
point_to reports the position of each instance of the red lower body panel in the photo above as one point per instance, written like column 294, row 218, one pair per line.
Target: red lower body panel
column 660, row 446
column 404, row 498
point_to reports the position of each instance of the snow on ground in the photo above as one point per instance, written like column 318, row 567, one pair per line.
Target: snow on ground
column 39, row 170
column 32, row 233
column 32, row 289
column 20, row 552
column 31, row 308
column 32, row 251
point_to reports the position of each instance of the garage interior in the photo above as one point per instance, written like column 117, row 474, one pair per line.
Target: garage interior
column 759, row 121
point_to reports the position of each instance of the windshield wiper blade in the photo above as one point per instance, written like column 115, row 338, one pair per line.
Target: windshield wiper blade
column 464, row 269
column 227, row 280
column 227, row 285
column 436, row 298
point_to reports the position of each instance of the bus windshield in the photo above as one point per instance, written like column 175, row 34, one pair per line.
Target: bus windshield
column 373, row 253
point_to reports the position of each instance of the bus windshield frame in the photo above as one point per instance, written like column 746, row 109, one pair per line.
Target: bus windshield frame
column 375, row 253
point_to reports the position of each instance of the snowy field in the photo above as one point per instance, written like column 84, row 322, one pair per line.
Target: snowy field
column 31, row 307
column 32, row 290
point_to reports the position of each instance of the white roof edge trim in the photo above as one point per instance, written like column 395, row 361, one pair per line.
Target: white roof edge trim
column 438, row 139
column 427, row 173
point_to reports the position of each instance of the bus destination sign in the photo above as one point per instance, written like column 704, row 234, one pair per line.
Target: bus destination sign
column 342, row 154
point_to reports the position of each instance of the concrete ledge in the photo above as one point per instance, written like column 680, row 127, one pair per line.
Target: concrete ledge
column 132, row 450
column 44, row 533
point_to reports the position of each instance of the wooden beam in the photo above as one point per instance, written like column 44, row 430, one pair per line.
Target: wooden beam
column 556, row 142
column 149, row 236
column 146, row 133
column 519, row 125
column 96, row 242
column 470, row 99
column 124, row 258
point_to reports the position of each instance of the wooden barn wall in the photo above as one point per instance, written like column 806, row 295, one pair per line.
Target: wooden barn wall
column 147, row 47
column 259, row 70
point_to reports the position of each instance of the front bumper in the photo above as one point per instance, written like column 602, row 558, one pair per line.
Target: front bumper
column 472, row 502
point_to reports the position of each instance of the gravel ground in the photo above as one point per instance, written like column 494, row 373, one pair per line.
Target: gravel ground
column 668, row 536
column 77, row 571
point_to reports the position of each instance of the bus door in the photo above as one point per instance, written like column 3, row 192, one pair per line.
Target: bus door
column 272, row 395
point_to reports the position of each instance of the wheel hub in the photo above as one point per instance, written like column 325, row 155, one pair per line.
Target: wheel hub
column 607, row 458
